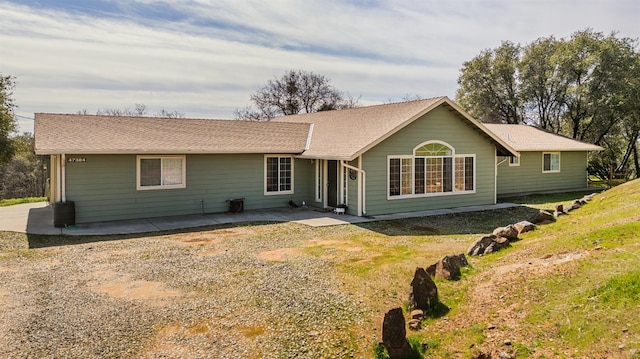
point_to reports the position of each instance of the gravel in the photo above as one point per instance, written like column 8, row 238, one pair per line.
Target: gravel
column 200, row 295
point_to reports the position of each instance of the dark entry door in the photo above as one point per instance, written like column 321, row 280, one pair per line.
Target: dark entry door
column 332, row 183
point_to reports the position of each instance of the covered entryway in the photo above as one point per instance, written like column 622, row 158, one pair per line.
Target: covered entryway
column 332, row 183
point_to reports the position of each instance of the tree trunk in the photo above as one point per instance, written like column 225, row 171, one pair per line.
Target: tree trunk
column 635, row 159
column 631, row 149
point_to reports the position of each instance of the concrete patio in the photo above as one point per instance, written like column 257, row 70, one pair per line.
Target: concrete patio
column 37, row 218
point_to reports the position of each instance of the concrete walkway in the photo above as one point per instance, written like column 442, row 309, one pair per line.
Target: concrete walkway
column 37, row 218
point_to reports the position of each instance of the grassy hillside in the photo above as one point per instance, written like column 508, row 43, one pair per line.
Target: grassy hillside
column 569, row 289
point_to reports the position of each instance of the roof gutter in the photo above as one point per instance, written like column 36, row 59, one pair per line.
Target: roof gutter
column 362, row 186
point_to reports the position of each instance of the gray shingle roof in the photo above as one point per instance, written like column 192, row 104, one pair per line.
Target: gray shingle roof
column 348, row 133
column 88, row 134
column 339, row 135
column 528, row 138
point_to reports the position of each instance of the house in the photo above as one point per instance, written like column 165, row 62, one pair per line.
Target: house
column 547, row 162
column 398, row 157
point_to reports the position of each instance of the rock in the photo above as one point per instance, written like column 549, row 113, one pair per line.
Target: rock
column 431, row 270
column 509, row 232
column 449, row 267
column 559, row 210
column 504, row 355
column 542, row 217
column 394, row 334
column 524, row 227
column 487, row 244
column 507, row 342
column 424, row 293
column 481, row 355
column 417, row 314
column 415, row 324
column 574, row 205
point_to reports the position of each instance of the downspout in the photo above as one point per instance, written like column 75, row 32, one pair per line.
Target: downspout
column 495, row 181
column 63, row 177
column 362, row 185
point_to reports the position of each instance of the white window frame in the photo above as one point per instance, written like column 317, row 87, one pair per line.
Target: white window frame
column 551, row 170
column 413, row 162
column 183, row 159
column 514, row 161
column 279, row 192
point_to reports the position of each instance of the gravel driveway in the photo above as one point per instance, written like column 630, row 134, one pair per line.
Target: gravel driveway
column 206, row 294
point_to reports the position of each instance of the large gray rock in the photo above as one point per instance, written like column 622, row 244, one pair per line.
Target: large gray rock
column 424, row 292
column 542, row 217
column 394, row 334
column 524, row 227
column 487, row 244
column 574, row 205
column 509, row 232
column 448, row 267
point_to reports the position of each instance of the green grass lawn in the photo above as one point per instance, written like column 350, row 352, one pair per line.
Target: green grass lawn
column 14, row 201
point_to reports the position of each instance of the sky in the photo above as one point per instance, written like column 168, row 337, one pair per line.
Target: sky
column 205, row 58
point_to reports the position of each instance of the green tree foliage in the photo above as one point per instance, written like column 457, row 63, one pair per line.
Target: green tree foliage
column 293, row 93
column 585, row 87
column 7, row 120
column 490, row 87
column 24, row 175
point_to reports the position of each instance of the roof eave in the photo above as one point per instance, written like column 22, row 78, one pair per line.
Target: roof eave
column 161, row 151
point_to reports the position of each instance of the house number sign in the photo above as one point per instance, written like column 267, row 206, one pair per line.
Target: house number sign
column 76, row 159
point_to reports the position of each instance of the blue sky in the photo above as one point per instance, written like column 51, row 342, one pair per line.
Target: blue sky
column 206, row 57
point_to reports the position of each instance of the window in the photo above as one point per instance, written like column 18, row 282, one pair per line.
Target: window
column 514, row 161
column 433, row 169
column 160, row 172
column 551, row 162
column 278, row 175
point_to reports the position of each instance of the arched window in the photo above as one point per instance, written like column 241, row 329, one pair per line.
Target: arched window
column 433, row 148
column 433, row 169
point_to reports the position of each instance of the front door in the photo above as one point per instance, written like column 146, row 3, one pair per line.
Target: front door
column 332, row 183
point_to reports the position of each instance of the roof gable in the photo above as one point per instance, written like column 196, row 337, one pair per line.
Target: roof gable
column 529, row 138
column 348, row 133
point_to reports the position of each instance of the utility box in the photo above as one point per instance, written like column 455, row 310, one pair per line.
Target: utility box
column 64, row 214
column 236, row 205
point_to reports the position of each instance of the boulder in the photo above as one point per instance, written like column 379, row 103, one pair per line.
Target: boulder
column 448, row 267
column 415, row 324
column 394, row 334
column 524, row 227
column 574, row 205
column 509, row 232
column 542, row 217
column 417, row 314
column 424, row 292
column 487, row 244
column 559, row 210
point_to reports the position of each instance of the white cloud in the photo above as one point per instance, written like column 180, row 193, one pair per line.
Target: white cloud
column 206, row 57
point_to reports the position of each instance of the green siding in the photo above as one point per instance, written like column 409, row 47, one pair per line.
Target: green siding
column 439, row 124
column 352, row 195
column 528, row 177
column 104, row 187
